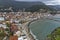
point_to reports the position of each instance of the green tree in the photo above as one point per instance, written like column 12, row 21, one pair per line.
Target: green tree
column 55, row 35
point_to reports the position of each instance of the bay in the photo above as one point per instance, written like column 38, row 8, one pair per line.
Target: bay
column 41, row 28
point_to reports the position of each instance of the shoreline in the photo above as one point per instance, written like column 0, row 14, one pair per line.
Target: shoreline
column 31, row 30
column 37, row 20
column 34, row 36
column 32, row 22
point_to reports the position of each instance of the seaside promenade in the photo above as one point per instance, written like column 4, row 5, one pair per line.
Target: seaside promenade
column 27, row 31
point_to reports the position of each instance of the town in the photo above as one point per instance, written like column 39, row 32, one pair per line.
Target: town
column 13, row 25
column 29, row 20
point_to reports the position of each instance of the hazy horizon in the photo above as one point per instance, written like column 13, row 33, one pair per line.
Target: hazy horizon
column 47, row 2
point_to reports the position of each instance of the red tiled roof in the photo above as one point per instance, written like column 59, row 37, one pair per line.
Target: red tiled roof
column 13, row 38
column 14, row 28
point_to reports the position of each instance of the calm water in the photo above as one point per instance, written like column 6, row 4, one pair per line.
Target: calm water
column 42, row 28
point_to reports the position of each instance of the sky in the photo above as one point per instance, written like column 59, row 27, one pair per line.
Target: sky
column 47, row 2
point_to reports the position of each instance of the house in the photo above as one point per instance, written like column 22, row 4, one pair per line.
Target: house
column 2, row 18
column 1, row 29
column 13, row 28
column 22, row 38
column 18, row 33
column 13, row 38
column 3, row 26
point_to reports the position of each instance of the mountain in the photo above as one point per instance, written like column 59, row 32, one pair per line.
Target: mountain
column 38, row 7
column 19, row 4
column 56, row 7
column 16, row 5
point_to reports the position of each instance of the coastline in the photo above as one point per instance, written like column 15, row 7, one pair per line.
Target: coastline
column 34, row 36
column 32, row 22
column 31, row 30
column 35, row 21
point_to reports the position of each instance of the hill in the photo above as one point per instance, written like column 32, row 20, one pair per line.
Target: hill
column 19, row 4
column 56, row 7
column 38, row 7
column 16, row 5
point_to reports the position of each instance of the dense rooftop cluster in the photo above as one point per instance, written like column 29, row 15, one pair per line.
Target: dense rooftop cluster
column 11, row 25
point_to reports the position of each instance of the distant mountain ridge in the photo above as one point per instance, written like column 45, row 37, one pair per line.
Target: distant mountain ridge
column 56, row 7
column 19, row 4
column 16, row 5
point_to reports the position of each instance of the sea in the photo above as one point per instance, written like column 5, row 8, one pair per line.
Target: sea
column 43, row 27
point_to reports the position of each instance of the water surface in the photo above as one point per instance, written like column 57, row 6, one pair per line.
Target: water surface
column 43, row 27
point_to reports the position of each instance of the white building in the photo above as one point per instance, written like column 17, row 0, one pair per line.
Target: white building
column 2, row 18
column 3, row 25
column 22, row 38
